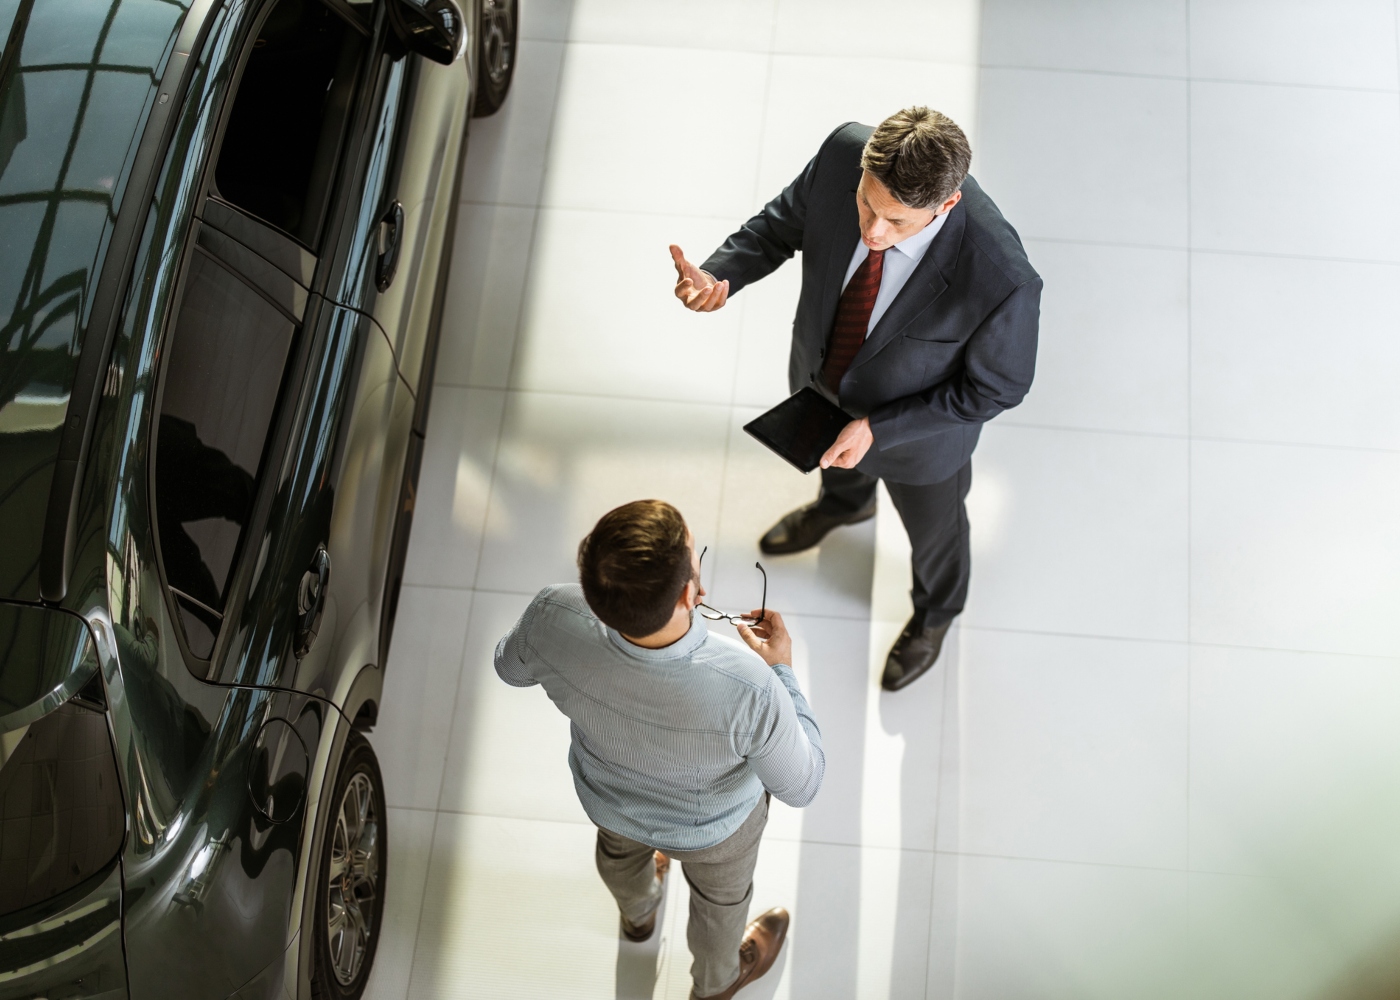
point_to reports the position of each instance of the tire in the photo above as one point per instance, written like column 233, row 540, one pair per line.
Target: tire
column 350, row 894
column 497, row 23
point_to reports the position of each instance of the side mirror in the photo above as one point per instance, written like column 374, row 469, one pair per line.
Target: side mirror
column 435, row 29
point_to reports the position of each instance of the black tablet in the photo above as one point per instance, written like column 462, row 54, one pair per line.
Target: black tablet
column 801, row 428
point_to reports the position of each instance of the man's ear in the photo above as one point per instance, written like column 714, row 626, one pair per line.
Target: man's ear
column 953, row 199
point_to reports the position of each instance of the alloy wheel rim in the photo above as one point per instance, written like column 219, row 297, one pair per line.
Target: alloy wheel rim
column 353, row 879
column 496, row 18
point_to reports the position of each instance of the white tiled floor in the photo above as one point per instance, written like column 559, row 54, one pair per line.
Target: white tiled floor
column 1160, row 756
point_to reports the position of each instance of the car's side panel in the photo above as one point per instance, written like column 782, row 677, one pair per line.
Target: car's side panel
column 75, row 952
column 210, row 904
column 376, row 431
column 424, row 183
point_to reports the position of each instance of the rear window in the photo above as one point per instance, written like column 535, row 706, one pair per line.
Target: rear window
column 284, row 133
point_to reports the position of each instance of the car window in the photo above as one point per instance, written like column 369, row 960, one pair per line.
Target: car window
column 284, row 133
column 226, row 356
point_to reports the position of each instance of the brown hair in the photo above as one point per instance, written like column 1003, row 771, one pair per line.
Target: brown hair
column 920, row 155
column 634, row 565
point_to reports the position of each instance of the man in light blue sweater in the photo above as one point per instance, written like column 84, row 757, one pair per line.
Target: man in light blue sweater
column 679, row 735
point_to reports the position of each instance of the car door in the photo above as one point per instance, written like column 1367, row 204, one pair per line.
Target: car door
column 255, row 373
column 395, row 260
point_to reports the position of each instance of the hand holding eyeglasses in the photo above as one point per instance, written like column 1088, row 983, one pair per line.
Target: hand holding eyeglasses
column 768, row 638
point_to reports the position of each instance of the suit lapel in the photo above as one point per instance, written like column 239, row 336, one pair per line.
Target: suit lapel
column 843, row 245
column 927, row 283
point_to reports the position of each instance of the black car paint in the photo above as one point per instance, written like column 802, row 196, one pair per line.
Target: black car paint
column 209, row 871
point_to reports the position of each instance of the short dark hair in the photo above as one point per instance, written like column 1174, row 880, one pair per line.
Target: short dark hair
column 634, row 565
column 920, row 155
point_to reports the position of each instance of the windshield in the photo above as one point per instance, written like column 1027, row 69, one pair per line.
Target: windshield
column 76, row 83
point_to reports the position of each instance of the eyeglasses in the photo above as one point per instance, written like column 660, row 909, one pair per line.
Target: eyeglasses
column 715, row 615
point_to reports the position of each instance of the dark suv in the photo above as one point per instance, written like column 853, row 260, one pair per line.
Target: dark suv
column 224, row 231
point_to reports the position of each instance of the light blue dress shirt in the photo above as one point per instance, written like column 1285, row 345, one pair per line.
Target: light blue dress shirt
column 900, row 261
column 671, row 747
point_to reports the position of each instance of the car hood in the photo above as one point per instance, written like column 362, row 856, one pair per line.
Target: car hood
column 77, row 81
column 46, row 657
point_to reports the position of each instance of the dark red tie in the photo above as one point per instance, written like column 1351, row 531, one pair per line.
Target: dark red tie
column 852, row 318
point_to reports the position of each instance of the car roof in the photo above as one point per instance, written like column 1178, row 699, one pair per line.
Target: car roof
column 77, row 82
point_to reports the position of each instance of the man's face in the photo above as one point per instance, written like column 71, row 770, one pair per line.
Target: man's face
column 884, row 220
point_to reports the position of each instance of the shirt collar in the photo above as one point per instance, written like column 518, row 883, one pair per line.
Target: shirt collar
column 679, row 649
column 914, row 246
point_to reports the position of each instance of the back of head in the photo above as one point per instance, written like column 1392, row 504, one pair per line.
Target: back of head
column 634, row 565
column 920, row 155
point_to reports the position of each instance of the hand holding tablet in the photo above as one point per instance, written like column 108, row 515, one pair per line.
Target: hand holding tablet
column 801, row 428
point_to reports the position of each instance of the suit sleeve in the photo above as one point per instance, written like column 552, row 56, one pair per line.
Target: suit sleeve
column 772, row 236
column 997, row 370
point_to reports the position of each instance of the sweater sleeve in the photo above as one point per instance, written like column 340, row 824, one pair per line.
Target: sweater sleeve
column 786, row 753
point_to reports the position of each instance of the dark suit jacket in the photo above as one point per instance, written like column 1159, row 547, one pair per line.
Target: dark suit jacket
column 956, row 346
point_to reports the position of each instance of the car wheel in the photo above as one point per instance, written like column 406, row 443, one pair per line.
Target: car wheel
column 350, row 893
column 495, row 54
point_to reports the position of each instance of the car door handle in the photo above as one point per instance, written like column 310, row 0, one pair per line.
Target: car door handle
column 311, row 600
column 390, row 240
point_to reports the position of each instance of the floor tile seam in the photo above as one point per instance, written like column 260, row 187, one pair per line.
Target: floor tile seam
column 491, row 814
column 1186, row 870
column 516, row 336
column 1036, row 859
column 819, row 842
column 619, row 397
column 883, row 848
column 791, row 614
column 1276, row 255
column 1190, row 422
column 1011, row 421
column 768, row 48
column 542, row 206
column 1188, row 78
column 1189, row 643
column 1186, row 248
column 945, row 724
column 1208, row 439
column 442, row 778
column 1008, row 422
column 1188, row 437
column 1004, row 629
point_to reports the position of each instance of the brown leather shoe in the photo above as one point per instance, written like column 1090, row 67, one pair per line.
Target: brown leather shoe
column 763, row 939
column 914, row 653
column 644, row 930
column 804, row 527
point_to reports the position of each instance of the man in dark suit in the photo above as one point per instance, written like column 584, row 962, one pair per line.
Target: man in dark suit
column 918, row 315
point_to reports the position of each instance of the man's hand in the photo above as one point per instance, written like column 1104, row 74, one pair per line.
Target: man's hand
column 697, row 289
column 851, row 445
column 768, row 638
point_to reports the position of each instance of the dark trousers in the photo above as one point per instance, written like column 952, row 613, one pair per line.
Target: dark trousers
column 935, row 517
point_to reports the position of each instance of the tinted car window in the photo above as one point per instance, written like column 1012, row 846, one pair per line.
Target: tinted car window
column 284, row 133
column 227, row 353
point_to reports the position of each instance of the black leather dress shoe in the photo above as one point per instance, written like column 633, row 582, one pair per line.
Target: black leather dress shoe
column 913, row 653
column 804, row 527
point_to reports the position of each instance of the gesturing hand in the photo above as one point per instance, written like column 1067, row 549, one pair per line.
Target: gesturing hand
column 850, row 446
column 696, row 289
column 768, row 638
